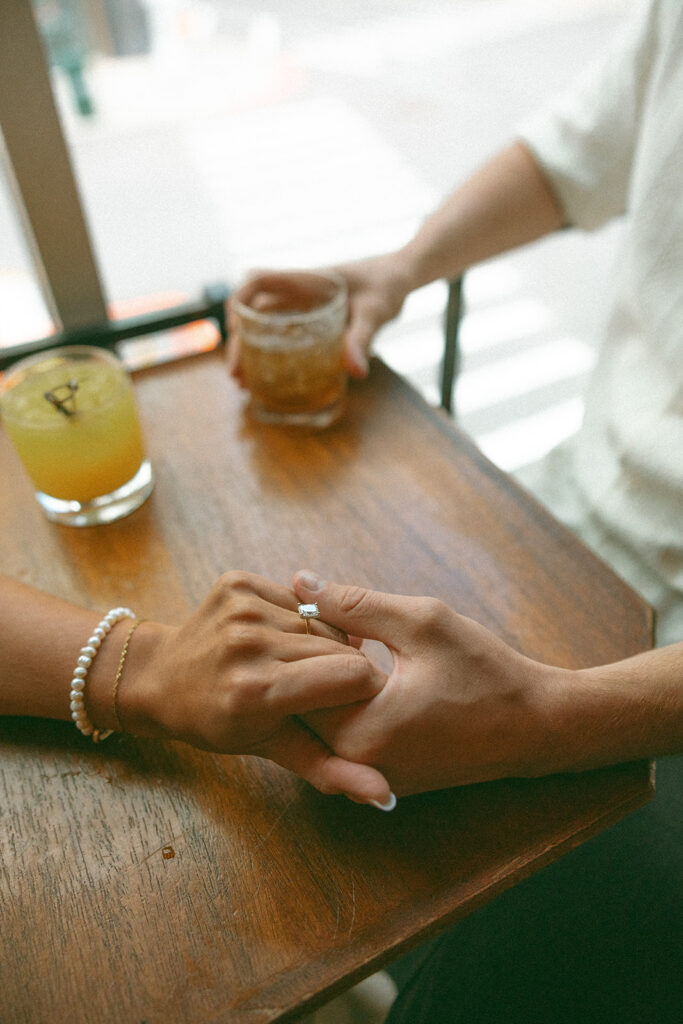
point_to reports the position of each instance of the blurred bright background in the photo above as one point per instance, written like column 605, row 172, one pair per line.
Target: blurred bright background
column 214, row 136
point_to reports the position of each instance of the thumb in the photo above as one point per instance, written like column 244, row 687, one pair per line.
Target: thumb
column 359, row 612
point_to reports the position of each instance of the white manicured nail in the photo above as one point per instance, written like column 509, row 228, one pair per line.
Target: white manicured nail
column 388, row 806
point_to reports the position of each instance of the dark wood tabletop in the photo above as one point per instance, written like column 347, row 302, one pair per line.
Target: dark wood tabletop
column 144, row 881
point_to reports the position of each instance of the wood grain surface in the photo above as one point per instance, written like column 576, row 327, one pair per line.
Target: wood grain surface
column 147, row 882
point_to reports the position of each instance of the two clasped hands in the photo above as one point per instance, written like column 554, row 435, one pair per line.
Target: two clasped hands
column 242, row 675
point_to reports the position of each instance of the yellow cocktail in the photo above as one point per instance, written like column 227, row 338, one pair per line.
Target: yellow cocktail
column 71, row 416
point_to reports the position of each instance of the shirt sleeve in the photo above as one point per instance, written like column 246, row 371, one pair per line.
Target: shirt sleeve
column 585, row 139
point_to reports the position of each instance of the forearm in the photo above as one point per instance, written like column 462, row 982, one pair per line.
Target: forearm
column 40, row 641
column 505, row 204
column 620, row 712
column 233, row 678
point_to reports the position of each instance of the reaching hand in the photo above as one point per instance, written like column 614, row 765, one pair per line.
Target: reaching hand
column 460, row 706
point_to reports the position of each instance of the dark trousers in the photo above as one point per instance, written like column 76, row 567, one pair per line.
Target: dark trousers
column 596, row 938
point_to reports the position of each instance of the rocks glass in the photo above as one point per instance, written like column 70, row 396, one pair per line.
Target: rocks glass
column 71, row 415
column 291, row 333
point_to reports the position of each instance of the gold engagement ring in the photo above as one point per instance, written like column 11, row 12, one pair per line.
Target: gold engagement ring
column 307, row 612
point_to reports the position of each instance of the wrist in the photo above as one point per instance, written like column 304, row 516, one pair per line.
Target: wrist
column 90, row 696
column 552, row 735
column 561, row 715
column 396, row 276
column 427, row 258
column 413, row 266
column 586, row 721
column 135, row 707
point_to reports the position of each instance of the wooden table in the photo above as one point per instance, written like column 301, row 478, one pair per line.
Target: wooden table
column 148, row 882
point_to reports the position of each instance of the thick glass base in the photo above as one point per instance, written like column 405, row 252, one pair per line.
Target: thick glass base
column 318, row 420
column 104, row 509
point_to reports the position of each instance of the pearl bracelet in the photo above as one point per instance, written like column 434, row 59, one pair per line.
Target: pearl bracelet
column 85, row 659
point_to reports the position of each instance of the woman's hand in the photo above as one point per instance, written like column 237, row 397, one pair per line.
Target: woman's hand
column 236, row 676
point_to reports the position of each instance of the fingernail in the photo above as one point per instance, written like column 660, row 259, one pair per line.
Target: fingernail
column 388, row 806
column 310, row 581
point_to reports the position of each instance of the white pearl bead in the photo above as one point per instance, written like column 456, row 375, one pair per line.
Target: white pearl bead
column 94, row 641
column 90, row 651
column 78, row 684
column 81, row 672
column 84, row 660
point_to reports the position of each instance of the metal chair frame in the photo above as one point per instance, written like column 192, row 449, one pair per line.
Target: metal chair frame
column 450, row 363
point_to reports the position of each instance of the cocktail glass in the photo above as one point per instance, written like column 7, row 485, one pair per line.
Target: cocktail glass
column 71, row 415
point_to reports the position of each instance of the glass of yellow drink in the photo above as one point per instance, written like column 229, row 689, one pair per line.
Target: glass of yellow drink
column 291, row 335
column 71, row 416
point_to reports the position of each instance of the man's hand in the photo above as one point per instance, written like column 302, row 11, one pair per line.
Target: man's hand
column 460, row 706
column 377, row 289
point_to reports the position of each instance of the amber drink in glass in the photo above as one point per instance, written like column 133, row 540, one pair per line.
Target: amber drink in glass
column 291, row 330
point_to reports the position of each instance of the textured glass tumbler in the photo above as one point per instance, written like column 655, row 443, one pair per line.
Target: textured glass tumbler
column 71, row 416
column 291, row 334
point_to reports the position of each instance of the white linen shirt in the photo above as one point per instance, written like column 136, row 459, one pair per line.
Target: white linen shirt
column 614, row 146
